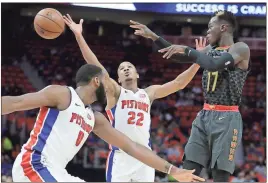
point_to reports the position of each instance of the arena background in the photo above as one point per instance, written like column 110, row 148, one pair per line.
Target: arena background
column 29, row 63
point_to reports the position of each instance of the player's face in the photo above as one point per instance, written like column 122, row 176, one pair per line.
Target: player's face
column 214, row 31
column 127, row 72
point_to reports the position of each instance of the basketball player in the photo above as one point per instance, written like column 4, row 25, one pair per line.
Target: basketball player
column 128, row 109
column 63, row 125
column 217, row 129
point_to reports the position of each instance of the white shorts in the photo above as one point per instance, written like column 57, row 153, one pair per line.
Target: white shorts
column 121, row 167
column 26, row 172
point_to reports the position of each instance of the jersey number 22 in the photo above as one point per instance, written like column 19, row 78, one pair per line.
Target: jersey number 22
column 132, row 115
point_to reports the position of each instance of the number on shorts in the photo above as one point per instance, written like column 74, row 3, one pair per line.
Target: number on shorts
column 215, row 74
column 132, row 116
column 79, row 138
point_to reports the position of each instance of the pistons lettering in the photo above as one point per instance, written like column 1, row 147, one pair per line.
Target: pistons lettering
column 132, row 104
column 81, row 122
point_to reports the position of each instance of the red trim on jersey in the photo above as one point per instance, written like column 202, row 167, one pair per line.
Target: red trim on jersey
column 220, row 108
column 110, row 115
column 28, row 170
column 37, row 128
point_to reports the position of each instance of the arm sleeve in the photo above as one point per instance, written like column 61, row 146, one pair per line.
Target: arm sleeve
column 209, row 63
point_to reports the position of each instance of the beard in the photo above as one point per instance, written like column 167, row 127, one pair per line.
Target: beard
column 100, row 93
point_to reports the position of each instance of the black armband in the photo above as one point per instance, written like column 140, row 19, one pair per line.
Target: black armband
column 162, row 43
column 209, row 63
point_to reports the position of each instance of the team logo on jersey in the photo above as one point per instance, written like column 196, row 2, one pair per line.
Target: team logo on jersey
column 142, row 95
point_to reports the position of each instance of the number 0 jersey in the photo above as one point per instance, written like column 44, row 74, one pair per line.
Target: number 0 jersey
column 131, row 116
column 223, row 87
column 58, row 135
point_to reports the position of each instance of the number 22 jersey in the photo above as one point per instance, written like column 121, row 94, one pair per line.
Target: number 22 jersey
column 131, row 116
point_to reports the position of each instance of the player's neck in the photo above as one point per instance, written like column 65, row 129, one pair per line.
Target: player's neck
column 131, row 86
column 226, row 40
column 85, row 94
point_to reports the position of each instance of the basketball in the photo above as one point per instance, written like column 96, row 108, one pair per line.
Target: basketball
column 48, row 23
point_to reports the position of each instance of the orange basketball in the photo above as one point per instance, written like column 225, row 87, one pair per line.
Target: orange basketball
column 48, row 23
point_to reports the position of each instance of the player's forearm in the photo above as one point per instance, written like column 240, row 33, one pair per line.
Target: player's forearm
column 8, row 104
column 148, row 157
column 87, row 53
column 184, row 78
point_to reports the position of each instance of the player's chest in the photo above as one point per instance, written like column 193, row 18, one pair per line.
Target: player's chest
column 82, row 119
column 134, row 102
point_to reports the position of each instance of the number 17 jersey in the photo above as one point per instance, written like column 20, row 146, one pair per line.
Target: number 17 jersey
column 223, row 87
column 131, row 116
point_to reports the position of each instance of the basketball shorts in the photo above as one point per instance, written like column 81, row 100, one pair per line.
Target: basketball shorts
column 121, row 167
column 30, row 170
column 216, row 132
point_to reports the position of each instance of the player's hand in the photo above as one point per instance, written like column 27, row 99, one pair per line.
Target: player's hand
column 142, row 30
column 183, row 175
column 201, row 43
column 76, row 28
column 171, row 50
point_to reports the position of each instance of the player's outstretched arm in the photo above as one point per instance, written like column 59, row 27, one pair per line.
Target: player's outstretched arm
column 105, row 131
column 87, row 53
column 112, row 87
column 238, row 52
column 144, row 31
column 180, row 82
column 51, row 96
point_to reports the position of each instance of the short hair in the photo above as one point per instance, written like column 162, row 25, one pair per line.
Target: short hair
column 85, row 73
column 227, row 16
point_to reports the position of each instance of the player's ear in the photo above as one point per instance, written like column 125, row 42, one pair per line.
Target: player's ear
column 96, row 81
column 138, row 76
column 119, row 80
column 223, row 27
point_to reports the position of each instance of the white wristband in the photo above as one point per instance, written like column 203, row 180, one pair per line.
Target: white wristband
column 169, row 170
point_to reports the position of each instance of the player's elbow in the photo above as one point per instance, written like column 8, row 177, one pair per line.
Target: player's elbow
column 180, row 84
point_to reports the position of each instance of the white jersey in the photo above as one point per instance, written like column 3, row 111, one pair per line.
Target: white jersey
column 58, row 135
column 131, row 116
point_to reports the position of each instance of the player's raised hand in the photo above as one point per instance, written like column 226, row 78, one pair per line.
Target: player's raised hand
column 200, row 44
column 142, row 30
column 171, row 50
column 76, row 28
column 183, row 175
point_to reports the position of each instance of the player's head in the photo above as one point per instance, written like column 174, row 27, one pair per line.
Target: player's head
column 92, row 76
column 127, row 72
column 221, row 23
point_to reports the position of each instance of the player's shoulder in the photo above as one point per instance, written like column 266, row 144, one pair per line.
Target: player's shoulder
column 240, row 46
column 59, row 91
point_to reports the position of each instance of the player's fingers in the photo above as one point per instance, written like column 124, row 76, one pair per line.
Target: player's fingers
column 168, row 52
column 200, row 41
column 198, row 178
column 163, row 50
column 81, row 21
column 138, row 32
column 136, row 26
column 65, row 19
column 172, row 52
column 69, row 17
column 134, row 22
column 205, row 42
column 196, row 43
